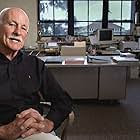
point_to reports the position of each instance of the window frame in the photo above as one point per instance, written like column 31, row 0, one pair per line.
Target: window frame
column 104, row 21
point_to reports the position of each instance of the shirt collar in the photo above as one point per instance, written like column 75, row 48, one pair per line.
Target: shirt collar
column 16, row 59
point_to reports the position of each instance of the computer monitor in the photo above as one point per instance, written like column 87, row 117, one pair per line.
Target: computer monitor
column 102, row 37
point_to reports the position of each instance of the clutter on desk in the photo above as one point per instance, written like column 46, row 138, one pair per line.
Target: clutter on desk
column 120, row 59
column 54, row 60
column 127, row 54
column 98, row 59
column 74, row 60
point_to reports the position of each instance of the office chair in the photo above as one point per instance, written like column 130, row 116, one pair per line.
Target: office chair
column 63, row 130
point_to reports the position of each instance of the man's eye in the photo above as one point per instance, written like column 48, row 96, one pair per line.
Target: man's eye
column 24, row 28
column 12, row 24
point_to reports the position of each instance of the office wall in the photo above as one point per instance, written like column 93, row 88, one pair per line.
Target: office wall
column 30, row 6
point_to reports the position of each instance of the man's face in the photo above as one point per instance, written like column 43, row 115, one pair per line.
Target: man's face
column 14, row 29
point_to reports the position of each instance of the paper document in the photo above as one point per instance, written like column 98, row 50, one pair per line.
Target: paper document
column 124, row 59
column 54, row 59
column 98, row 59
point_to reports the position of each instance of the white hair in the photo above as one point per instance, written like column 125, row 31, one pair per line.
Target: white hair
column 2, row 13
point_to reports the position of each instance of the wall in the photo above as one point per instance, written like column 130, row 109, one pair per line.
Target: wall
column 30, row 6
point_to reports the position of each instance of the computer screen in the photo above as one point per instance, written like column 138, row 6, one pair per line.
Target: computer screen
column 101, row 37
column 104, row 36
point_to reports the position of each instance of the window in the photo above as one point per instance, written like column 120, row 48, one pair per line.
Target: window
column 53, row 17
column 121, row 20
column 87, row 15
column 82, row 17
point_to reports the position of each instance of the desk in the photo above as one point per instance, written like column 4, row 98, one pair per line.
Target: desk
column 105, row 81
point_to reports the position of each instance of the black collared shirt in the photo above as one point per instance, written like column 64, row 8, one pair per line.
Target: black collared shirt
column 20, row 82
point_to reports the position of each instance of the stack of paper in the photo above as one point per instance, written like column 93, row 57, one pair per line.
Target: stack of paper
column 127, row 54
column 98, row 59
column 120, row 59
column 53, row 59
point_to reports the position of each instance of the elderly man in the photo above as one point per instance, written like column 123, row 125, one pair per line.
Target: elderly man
column 22, row 79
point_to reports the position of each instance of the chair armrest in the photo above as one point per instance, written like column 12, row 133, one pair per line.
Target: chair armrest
column 63, row 129
column 67, row 123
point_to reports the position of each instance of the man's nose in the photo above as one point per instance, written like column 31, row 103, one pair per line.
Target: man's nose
column 17, row 31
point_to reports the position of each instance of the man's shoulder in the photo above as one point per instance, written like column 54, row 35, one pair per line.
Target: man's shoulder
column 30, row 57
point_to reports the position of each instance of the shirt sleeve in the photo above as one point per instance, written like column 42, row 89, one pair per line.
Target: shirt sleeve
column 61, row 102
